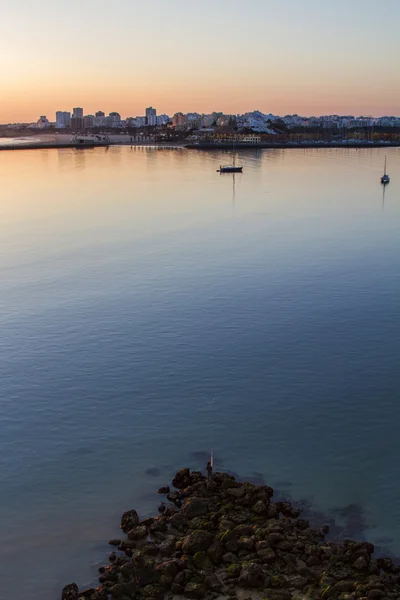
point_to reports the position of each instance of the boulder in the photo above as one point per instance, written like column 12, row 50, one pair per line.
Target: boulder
column 202, row 562
column 182, row 479
column 137, row 533
column 195, row 507
column 168, row 568
column 245, row 543
column 177, row 521
column 243, row 530
column 164, row 490
column 237, row 492
column 274, row 538
column 213, row 583
column 123, row 590
column 195, row 589
column 361, row 564
column 229, row 558
column 252, row 576
column 215, row 552
column 114, row 542
column 167, row 548
column 70, row 592
column 375, row 594
column 197, row 541
column 259, row 508
column 85, row 594
column 129, row 520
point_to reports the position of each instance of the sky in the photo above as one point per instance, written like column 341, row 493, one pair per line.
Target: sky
column 309, row 57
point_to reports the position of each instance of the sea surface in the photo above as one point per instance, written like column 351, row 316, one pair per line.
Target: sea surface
column 153, row 309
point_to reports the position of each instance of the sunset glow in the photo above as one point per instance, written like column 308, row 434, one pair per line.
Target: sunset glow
column 289, row 56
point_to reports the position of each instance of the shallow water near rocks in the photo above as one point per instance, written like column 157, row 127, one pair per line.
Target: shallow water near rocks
column 153, row 309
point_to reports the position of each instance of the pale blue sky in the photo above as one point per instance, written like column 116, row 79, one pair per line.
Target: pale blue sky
column 306, row 56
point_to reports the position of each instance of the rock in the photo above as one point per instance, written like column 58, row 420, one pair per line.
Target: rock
column 195, row 507
column 286, row 546
column 259, row 508
column 234, row 570
column 177, row 521
column 213, row 583
column 385, row 563
column 177, row 589
column 274, row 538
column 252, row 576
column 236, row 492
column 344, row 586
column 215, row 552
column 197, row 541
column 112, row 557
column 245, row 543
column 375, row 594
column 150, row 548
column 267, row 556
column 137, row 533
column 89, row 593
column 312, row 561
column 231, row 546
column 297, row 582
column 123, row 590
column 229, row 558
column 114, row 542
column 167, row 548
column 70, row 592
column 361, row 564
column 164, row 490
column 168, row 568
column 195, row 589
column 129, row 520
column 182, row 479
column 243, row 530
column 175, row 498
column 202, row 562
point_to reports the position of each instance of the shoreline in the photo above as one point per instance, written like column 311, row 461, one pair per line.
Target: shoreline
column 203, row 146
column 225, row 540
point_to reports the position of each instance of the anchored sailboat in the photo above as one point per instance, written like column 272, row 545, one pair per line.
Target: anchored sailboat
column 385, row 177
column 233, row 168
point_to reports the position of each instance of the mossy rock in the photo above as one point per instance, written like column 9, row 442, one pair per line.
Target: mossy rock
column 202, row 562
column 234, row 570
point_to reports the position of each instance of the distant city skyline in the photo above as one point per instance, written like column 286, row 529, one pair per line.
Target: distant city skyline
column 282, row 56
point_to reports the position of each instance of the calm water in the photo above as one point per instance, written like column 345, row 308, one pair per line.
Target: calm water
column 150, row 311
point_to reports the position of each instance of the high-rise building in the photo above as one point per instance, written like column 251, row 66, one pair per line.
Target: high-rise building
column 113, row 120
column 151, row 116
column 63, row 119
column 100, row 113
column 179, row 120
column 77, row 119
column 88, row 121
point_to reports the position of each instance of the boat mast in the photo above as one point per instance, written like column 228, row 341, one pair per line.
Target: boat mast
column 234, row 157
column 385, row 166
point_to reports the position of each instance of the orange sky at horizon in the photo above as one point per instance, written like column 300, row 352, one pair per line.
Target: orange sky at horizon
column 27, row 105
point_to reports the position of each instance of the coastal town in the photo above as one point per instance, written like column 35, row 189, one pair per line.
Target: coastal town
column 251, row 127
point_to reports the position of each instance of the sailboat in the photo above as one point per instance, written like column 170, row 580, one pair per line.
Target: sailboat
column 385, row 177
column 233, row 168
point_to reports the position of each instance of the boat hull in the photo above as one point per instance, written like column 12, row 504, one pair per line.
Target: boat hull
column 230, row 170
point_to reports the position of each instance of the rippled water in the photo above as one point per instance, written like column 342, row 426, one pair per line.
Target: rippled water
column 152, row 309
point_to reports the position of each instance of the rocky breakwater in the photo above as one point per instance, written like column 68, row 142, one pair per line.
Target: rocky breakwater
column 224, row 539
